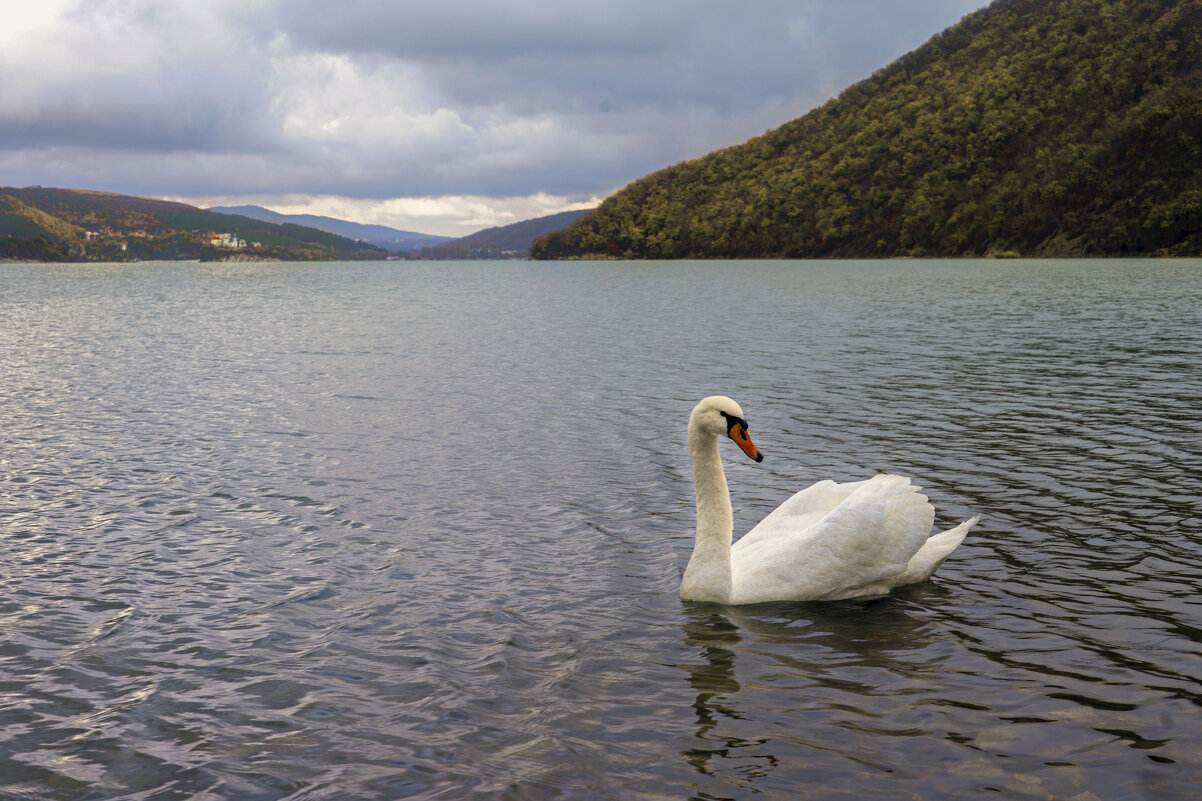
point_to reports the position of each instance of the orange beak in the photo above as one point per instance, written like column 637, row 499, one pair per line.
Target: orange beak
column 739, row 434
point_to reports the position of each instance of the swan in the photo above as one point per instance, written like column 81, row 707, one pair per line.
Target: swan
column 828, row 542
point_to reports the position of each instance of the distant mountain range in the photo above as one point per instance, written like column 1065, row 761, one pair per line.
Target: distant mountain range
column 381, row 236
column 45, row 224
column 1033, row 127
column 506, row 241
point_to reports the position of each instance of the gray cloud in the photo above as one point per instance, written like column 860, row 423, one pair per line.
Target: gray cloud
column 719, row 54
column 379, row 99
column 132, row 76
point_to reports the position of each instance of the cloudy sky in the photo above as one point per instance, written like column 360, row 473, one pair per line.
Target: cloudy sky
column 441, row 117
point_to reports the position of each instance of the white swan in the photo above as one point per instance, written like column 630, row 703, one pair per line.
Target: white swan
column 827, row 542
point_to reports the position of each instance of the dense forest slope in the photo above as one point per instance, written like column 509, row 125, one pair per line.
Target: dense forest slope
column 1044, row 127
column 43, row 224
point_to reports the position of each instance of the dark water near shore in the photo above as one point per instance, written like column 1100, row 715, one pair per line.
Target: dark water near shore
column 376, row 531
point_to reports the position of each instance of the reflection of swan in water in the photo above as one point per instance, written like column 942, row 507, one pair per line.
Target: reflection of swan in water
column 715, row 683
column 811, row 656
column 828, row 542
column 716, row 637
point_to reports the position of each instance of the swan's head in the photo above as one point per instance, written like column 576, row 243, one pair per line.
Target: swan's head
column 718, row 415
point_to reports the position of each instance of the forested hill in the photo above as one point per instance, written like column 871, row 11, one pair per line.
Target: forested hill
column 1043, row 127
column 45, row 224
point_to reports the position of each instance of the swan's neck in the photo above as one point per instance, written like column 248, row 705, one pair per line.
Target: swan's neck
column 707, row 578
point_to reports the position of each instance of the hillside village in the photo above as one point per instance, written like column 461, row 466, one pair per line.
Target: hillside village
column 108, row 235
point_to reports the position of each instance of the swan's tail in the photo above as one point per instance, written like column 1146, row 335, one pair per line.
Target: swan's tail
column 935, row 550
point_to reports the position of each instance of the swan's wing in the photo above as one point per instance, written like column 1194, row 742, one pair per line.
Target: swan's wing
column 861, row 546
column 801, row 510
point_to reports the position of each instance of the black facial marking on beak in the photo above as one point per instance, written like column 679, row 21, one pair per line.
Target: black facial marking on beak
column 737, row 430
column 732, row 421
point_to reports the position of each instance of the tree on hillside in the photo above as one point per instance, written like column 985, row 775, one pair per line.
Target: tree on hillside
column 1042, row 126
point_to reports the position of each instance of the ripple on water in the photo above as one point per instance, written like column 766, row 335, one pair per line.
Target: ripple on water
column 422, row 538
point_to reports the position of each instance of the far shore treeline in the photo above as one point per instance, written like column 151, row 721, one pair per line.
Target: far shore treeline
column 47, row 224
column 1032, row 127
column 44, row 224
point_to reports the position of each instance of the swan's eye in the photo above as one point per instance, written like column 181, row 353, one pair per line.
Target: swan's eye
column 732, row 421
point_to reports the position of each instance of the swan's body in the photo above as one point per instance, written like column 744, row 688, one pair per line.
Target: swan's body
column 827, row 542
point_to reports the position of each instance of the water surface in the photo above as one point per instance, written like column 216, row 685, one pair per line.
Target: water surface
column 376, row 531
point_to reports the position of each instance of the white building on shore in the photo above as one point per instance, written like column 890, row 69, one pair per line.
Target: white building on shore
column 230, row 241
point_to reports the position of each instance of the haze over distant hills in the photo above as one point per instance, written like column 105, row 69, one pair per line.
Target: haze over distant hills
column 511, row 240
column 1042, row 127
column 379, row 235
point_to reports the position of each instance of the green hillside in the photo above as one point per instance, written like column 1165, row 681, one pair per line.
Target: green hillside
column 505, row 241
column 1044, row 127
column 43, row 224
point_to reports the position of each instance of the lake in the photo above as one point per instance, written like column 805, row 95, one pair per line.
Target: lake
column 415, row 530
